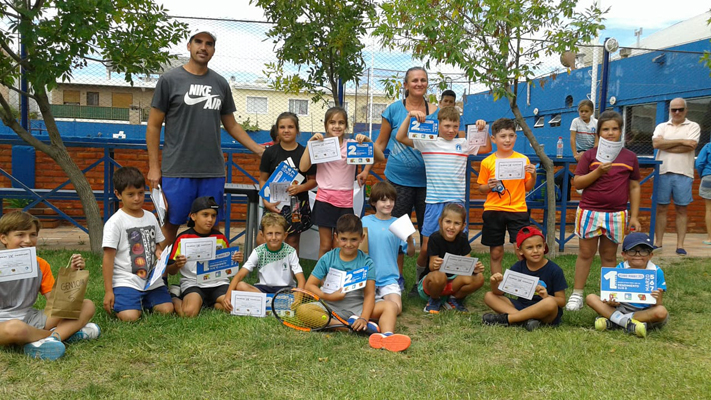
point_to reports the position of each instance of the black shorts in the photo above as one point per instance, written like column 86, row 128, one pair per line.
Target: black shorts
column 325, row 215
column 270, row 289
column 407, row 198
column 496, row 223
column 209, row 295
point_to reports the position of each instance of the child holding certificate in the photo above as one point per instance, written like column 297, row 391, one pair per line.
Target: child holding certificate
column 505, row 206
column 357, row 306
column 298, row 212
column 635, row 318
column 433, row 283
column 334, row 178
column 131, row 245
column 194, row 294
column 546, row 305
column 602, row 217
column 20, row 323
column 384, row 246
column 446, row 160
column 277, row 262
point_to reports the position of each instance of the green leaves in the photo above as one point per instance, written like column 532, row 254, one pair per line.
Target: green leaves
column 316, row 43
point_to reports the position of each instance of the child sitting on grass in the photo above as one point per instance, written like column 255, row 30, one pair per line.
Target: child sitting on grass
column 635, row 318
column 359, row 305
column 277, row 262
column 195, row 295
column 20, row 324
column 434, row 283
column 546, row 306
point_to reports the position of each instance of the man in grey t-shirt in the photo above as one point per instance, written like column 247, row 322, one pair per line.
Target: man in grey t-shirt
column 192, row 100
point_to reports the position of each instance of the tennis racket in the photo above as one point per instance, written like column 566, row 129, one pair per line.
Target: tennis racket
column 304, row 311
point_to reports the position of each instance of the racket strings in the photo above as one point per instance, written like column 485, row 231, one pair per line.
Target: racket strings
column 301, row 310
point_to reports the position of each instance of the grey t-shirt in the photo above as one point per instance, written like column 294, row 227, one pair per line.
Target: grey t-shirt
column 193, row 107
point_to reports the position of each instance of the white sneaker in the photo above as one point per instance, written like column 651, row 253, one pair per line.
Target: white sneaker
column 88, row 332
column 575, row 302
column 48, row 348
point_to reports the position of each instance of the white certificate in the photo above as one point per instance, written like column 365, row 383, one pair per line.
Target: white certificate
column 160, row 267
column 607, row 151
column 159, row 203
column 477, row 137
column 325, row 150
column 519, row 284
column 278, row 192
column 510, row 168
column 334, row 281
column 459, row 265
column 250, row 304
column 18, row 264
column 199, row 249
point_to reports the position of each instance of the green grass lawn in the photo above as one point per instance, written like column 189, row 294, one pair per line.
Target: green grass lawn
column 452, row 355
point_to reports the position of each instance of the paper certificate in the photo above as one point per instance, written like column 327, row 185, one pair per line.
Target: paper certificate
column 18, row 264
column 278, row 192
column 428, row 130
column 325, row 150
column 285, row 172
column 160, row 267
column 510, row 168
column 220, row 268
column 458, row 265
column 334, row 281
column 250, row 304
column 355, row 280
column 477, row 137
column 285, row 305
column 360, row 153
column 199, row 249
column 160, row 204
column 519, row 284
column 628, row 285
column 607, row 151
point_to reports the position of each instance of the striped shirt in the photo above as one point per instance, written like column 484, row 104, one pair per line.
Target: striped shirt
column 445, row 163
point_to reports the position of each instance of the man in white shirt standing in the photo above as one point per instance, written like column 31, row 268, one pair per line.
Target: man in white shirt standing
column 675, row 141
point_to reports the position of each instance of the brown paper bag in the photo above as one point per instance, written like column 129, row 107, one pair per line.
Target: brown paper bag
column 67, row 294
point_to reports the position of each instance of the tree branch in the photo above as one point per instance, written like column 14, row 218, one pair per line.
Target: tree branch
column 9, row 120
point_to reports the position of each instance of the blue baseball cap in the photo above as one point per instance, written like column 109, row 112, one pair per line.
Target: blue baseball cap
column 635, row 239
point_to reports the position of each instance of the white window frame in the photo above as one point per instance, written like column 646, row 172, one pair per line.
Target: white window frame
column 540, row 122
column 555, row 121
column 247, row 105
column 300, row 100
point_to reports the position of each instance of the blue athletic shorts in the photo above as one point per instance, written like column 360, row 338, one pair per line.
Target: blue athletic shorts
column 126, row 298
column 674, row 185
column 432, row 213
column 519, row 306
column 181, row 192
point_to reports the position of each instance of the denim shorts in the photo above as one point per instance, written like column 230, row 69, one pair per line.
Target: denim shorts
column 674, row 185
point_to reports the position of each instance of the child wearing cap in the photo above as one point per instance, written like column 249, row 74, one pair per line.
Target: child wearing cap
column 194, row 294
column 635, row 318
column 131, row 245
column 546, row 306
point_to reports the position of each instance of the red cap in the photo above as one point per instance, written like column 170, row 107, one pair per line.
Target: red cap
column 527, row 232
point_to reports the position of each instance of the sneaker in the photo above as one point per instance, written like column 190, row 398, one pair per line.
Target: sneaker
column 174, row 291
column 414, row 292
column 90, row 331
column 49, row 348
column 371, row 328
column 575, row 302
column 389, row 341
column 681, row 251
column 603, row 324
column 495, row 319
column 457, row 305
column 433, row 306
column 636, row 328
column 532, row 324
column 401, row 283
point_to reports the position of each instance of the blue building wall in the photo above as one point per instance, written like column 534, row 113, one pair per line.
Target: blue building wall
column 634, row 80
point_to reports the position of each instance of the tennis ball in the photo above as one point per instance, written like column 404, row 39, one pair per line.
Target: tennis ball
column 324, row 317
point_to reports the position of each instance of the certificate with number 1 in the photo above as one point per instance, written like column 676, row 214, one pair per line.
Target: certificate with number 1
column 325, row 150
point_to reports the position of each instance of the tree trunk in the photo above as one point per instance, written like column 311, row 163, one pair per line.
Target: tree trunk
column 550, row 180
column 58, row 152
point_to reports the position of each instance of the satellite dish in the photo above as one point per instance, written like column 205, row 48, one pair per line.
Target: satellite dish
column 611, row 45
column 567, row 59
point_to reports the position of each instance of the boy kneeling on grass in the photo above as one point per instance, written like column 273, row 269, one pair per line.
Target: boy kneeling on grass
column 546, row 306
column 635, row 318
column 359, row 304
column 20, row 324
